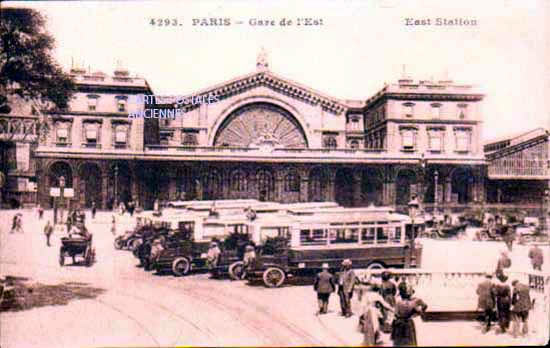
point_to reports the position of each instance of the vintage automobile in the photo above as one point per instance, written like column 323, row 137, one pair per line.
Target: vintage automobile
column 442, row 227
column 77, row 244
column 372, row 238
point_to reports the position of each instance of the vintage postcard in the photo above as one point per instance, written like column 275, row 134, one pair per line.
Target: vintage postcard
column 274, row 173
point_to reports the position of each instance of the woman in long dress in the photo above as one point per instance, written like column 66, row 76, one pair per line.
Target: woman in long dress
column 403, row 328
column 374, row 307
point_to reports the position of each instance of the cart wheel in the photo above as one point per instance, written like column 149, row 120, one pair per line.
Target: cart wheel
column 180, row 266
column 236, row 270
column 274, row 277
column 118, row 243
column 61, row 259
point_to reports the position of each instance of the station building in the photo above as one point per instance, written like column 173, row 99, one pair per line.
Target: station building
column 269, row 138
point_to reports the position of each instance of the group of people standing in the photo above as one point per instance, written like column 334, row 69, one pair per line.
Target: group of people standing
column 380, row 304
column 497, row 302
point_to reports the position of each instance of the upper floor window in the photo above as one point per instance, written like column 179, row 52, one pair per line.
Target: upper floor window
column 354, row 122
column 121, row 106
column 435, row 139
column 436, row 110
column 462, row 111
column 329, row 141
column 292, row 182
column 92, row 102
column 408, row 139
column 121, row 135
column 91, row 133
column 63, row 133
column 189, row 138
column 463, row 138
column 408, row 109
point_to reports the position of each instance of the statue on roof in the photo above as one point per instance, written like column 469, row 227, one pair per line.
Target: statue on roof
column 262, row 62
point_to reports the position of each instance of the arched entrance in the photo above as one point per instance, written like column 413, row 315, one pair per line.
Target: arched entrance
column 405, row 186
column 371, row 187
column 119, row 189
column 343, row 187
column 211, row 185
column 318, row 185
column 90, row 185
column 266, row 185
column 186, row 184
column 462, row 180
column 57, row 170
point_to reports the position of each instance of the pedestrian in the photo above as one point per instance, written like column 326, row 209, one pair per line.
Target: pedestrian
column 248, row 258
column 324, row 286
column 372, row 321
column 14, row 223
column 537, row 258
column 388, row 289
column 402, row 287
column 48, row 230
column 346, row 283
column 509, row 236
column 403, row 329
column 94, row 210
column 486, row 301
column 521, row 302
column 213, row 257
column 40, row 212
column 503, row 299
column 69, row 221
column 19, row 223
column 504, row 262
column 113, row 225
column 121, row 208
column 131, row 208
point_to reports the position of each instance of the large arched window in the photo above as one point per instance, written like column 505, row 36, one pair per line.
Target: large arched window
column 238, row 181
column 292, row 182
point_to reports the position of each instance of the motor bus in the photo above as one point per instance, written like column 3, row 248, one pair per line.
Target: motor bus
column 370, row 237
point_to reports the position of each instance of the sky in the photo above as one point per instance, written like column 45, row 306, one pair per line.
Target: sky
column 360, row 46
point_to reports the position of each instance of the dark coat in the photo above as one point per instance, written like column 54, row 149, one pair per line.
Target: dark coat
column 521, row 300
column 324, row 283
column 485, row 294
column 388, row 291
column 403, row 328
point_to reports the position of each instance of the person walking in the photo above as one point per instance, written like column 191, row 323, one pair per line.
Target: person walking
column 324, row 286
column 346, row 283
column 48, row 230
column 113, row 225
column 375, row 310
column 403, row 329
column 213, row 257
column 19, row 223
column 94, row 210
column 503, row 298
column 537, row 258
column 14, row 224
column 503, row 262
column 40, row 212
column 521, row 302
column 486, row 301
column 248, row 258
column 509, row 236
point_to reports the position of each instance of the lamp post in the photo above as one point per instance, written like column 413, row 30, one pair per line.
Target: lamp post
column 544, row 208
column 115, row 200
column 61, row 189
column 413, row 211
column 436, row 191
column 422, row 162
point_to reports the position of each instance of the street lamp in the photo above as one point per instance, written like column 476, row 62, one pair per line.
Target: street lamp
column 544, row 208
column 413, row 211
column 61, row 188
column 115, row 201
column 436, row 191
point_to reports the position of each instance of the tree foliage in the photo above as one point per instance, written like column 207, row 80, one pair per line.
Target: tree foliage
column 27, row 68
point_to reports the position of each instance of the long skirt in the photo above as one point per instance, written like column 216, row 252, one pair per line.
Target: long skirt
column 403, row 332
column 368, row 329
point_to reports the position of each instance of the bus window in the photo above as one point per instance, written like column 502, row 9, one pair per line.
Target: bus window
column 315, row 237
column 340, row 235
column 283, row 232
column 397, row 235
column 367, row 235
column 381, row 235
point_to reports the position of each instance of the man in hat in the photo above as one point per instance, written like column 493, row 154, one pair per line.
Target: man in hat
column 324, row 286
column 536, row 256
column 486, row 300
column 346, row 283
column 521, row 301
column 503, row 298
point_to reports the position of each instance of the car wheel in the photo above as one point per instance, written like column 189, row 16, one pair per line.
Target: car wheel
column 118, row 243
column 274, row 277
column 376, row 265
column 236, row 270
column 180, row 266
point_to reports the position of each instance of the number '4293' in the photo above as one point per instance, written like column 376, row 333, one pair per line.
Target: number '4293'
column 165, row 22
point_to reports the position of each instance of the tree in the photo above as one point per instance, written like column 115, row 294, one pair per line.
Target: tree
column 27, row 68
